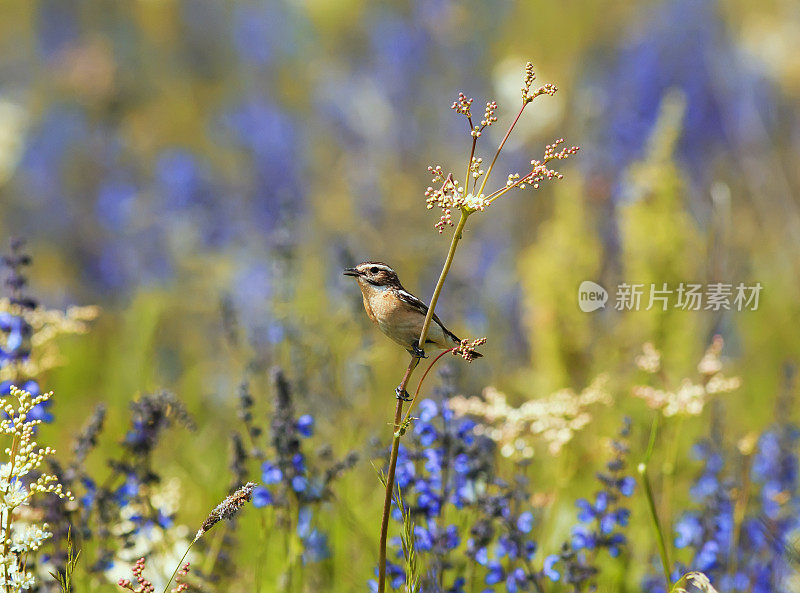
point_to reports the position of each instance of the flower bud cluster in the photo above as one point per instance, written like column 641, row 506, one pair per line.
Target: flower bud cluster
column 448, row 197
column 463, row 105
column 467, row 349
column 530, row 76
column 488, row 116
column 475, row 167
column 554, row 419
column 145, row 586
column 539, row 169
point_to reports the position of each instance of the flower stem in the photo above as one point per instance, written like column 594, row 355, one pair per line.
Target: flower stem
column 6, row 516
column 500, row 148
column 662, row 546
column 398, row 413
column 651, row 505
column 419, row 385
column 468, row 174
column 462, row 221
column 180, row 563
column 387, row 501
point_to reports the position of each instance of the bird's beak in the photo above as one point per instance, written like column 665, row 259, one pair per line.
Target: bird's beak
column 351, row 272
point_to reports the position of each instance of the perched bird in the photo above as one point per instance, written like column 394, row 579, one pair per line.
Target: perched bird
column 398, row 313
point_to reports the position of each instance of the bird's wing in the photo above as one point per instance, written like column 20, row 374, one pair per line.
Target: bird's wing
column 410, row 299
column 417, row 304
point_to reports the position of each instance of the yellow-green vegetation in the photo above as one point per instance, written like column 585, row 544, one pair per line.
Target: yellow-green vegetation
column 190, row 178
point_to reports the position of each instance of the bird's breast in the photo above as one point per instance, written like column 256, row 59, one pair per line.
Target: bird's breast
column 368, row 308
column 381, row 306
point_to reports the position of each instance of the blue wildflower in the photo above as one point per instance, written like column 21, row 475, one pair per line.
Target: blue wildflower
column 305, row 425
column 549, row 567
column 423, row 538
column 758, row 556
column 525, row 522
column 649, row 65
column 128, row 491
column 293, row 479
column 16, row 332
column 270, row 473
column 315, row 547
column 599, row 524
column 517, row 580
column 299, row 484
column 458, row 586
column 441, row 464
column 495, row 574
column 261, row 497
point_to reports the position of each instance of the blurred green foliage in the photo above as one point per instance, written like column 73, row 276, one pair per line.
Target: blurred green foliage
column 155, row 75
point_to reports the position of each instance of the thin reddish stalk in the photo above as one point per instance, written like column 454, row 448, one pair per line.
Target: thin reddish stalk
column 419, row 385
column 500, row 148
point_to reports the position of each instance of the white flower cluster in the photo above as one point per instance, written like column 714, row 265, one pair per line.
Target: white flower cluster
column 690, row 397
column 555, row 418
column 28, row 537
column 17, row 538
column 450, row 198
column 162, row 547
column 14, row 577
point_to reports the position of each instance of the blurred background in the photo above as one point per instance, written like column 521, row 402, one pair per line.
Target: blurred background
column 203, row 170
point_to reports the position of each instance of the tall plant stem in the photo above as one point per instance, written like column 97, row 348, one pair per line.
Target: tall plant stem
column 462, row 221
column 6, row 516
column 398, row 413
column 387, row 500
column 180, row 563
column 651, row 505
column 662, row 546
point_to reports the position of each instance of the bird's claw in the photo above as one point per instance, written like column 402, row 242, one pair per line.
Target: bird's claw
column 417, row 351
column 402, row 394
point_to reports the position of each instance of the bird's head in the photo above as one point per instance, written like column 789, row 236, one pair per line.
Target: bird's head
column 374, row 273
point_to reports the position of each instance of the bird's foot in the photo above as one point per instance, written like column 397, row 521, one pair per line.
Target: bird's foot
column 402, row 394
column 417, row 351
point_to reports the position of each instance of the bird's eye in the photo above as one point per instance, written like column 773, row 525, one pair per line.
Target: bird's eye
column 373, row 270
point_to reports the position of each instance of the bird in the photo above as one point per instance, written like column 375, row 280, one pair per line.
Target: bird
column 398, row 313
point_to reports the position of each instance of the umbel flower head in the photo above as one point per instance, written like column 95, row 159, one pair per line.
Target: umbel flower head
column 554, row 419
column 449, row 195
column 691, row 396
